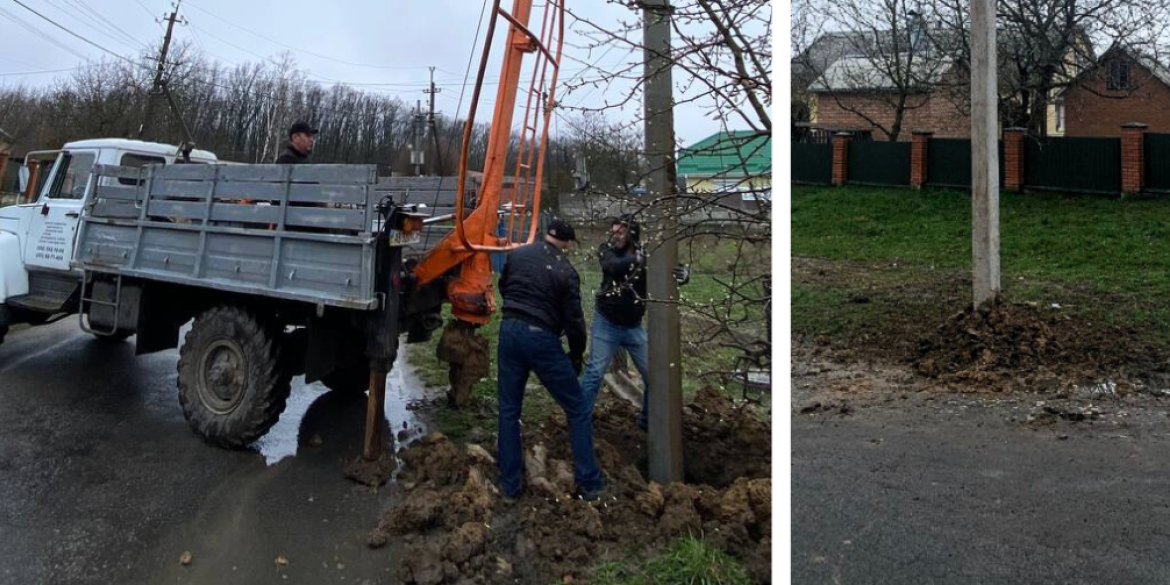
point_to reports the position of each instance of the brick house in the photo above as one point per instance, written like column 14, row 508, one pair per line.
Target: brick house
column 1125, row 87
column 940, row 109
column 855, row 91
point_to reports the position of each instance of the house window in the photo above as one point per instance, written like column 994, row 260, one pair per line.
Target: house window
column 1059, row 114
column 1119, row 75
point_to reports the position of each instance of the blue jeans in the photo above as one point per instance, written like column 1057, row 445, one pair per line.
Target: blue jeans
column 606, row 339
column 523, row 349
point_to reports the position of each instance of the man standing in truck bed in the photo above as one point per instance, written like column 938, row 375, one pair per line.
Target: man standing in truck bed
column 542, row 301
column 300, row 145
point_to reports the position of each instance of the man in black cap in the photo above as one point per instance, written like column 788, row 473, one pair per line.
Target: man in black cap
column 300, row 145
column 542, row 302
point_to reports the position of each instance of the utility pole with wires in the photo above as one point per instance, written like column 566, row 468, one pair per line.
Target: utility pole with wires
column 431, row 121
column 432, row 91
column 157, row 88
column 418, row 131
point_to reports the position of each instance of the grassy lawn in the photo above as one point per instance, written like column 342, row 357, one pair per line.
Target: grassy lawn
column 1100, row 258
column 709, row 261
column 687, row 560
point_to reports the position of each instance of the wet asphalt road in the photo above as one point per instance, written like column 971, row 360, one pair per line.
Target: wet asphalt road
column 894, row 497
column 102, row 481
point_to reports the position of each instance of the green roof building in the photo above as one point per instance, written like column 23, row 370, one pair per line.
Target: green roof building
column 739, row 160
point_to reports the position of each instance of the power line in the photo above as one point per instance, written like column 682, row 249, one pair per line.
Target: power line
column 15, row 73
column 71, row 33
column 149, row 13
column 37, row 32
column 103, row 25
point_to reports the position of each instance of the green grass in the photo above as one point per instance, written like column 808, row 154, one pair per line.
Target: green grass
column 1114, row 245
column 687, row 561
column 1106, row 256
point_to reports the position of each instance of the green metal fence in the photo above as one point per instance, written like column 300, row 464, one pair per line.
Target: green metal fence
column 1157, row 162
column 1085, row 165
column 948, row 163
column 812, row 163
column 879, row 163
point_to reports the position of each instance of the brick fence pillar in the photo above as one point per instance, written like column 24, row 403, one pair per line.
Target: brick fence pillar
column 1133, row 157
column 919, row 150
column 841, row 157
column 1013, row 159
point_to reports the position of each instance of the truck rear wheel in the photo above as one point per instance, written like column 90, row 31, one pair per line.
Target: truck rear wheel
column 231, row 384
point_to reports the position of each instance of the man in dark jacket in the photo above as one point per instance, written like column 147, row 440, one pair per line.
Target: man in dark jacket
column 619, row 307
column 300, row 145
column 542, row 301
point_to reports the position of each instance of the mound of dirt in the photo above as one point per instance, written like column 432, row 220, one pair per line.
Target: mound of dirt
column 457, row 530
column 1002, row 346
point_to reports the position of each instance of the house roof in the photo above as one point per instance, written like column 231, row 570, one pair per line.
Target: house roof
column 734, row 153
column 867, row 74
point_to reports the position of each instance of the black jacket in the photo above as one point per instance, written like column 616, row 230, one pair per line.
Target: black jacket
column 542, row 288
column 623, row 285
column 292, row 156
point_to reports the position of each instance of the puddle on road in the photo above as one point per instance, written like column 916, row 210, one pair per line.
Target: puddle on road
column 403, row 389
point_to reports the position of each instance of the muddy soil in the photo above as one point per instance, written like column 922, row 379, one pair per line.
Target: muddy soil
column 469, row 357
column 456, row 528
column 1006, row 346
column 893, row 315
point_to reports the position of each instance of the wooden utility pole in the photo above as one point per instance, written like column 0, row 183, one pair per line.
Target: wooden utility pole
column 157, row 88
column 665, row 383
column 984, row 153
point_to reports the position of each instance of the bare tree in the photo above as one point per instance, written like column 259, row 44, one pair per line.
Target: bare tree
column 721, row 56
column 881, row 63
column 1044, row 46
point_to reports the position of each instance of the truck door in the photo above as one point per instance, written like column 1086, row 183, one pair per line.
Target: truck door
column 54, row 224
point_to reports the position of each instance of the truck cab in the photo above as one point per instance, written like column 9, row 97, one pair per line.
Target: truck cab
column 38, row 237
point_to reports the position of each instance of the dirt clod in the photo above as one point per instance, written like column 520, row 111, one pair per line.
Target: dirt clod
column 371, row 472
column 469, row 357
column 456, row 529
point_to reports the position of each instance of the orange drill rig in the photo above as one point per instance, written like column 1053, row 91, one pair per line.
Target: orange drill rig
column 468, row 247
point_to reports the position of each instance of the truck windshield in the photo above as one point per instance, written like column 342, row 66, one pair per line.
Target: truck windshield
column 71, row 175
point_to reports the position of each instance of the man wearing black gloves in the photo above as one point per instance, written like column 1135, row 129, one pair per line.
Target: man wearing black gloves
column 542, row 301
column 621, row 303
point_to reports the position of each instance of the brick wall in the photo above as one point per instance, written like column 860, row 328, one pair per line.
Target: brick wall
column 1088, row 114
column 935, row 112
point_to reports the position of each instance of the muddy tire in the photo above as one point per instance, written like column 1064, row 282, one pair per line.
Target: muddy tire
column 231, row 384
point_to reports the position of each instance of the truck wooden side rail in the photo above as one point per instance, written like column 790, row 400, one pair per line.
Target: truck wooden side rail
column 285, row 270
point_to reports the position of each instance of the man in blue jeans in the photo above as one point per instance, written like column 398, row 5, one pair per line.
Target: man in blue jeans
column 621, row 303
column 542, row 301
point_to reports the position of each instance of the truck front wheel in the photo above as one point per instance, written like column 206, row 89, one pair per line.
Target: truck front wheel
column 231, row 384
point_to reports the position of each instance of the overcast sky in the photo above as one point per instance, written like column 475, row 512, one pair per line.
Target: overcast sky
column 385, row 42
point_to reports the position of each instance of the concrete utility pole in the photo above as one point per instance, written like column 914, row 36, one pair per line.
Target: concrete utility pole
column 665, row 383
column 417, row 154
column 157, row 88
column 432, row 91
column 984, row 154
